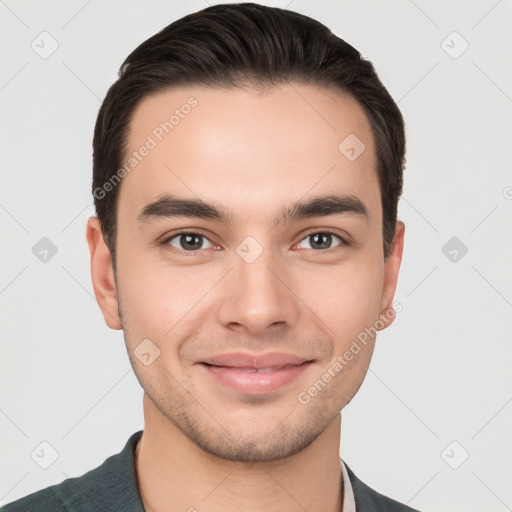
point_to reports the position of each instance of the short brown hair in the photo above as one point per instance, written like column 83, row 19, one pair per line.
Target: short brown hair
column 245, row 44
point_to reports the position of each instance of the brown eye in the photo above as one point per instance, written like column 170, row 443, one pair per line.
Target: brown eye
column 322, row 240
column 187, row 241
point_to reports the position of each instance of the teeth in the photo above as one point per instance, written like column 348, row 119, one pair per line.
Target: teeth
column 256, row 370
column 259, row 370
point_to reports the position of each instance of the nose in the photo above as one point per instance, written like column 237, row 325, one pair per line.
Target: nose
column 257, row 297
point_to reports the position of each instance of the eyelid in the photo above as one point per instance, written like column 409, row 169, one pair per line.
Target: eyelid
column 325, row 231
column 184, row 231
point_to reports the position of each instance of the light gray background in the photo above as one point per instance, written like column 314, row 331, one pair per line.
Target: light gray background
column 440, row 374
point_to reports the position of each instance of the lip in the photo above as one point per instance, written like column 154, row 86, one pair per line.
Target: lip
column 258, row 361
column 255, row 374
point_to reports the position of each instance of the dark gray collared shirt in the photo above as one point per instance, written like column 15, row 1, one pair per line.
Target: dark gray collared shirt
column 112, row 487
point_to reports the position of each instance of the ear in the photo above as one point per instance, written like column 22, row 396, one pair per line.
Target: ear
column 391, row 269
column 102, row 273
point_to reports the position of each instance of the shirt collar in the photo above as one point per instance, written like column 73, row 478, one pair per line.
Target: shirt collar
column 349, row 502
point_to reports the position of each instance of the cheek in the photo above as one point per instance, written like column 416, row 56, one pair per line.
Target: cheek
column 345, row 297
column 349, row 306
column 158, row 301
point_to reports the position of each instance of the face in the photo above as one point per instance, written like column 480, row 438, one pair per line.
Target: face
column 246, row 272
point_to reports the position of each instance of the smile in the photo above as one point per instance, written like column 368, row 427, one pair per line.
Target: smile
column 255, row 380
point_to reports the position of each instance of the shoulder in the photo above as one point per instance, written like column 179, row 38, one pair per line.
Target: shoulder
column 369, row 500
column 108, row 487
column 44, row 500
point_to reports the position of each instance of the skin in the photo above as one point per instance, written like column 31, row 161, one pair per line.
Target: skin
column 205, row 446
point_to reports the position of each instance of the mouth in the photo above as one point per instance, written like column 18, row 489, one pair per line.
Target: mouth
column 256, row 370
column 252, row 380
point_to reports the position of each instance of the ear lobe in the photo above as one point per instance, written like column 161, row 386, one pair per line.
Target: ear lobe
column 391, row 270
column 102, row 274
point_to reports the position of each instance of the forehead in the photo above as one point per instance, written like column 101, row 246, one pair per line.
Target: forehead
column 248, row 151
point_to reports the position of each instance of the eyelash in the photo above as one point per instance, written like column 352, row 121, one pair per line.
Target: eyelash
column 166, row 241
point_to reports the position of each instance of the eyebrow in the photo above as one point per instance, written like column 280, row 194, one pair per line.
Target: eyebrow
column 169, row 206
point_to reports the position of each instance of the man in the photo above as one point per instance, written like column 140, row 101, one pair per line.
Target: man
column 247, row 169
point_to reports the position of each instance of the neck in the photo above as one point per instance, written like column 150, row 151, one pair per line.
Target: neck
column 173, row 473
